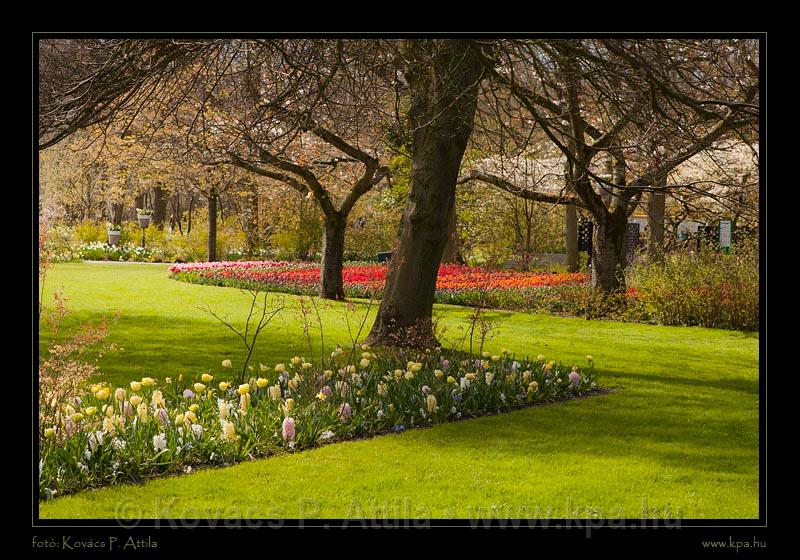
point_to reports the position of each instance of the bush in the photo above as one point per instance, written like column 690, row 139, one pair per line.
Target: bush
column 707, row 288
column 90, row 232
column 89, row 241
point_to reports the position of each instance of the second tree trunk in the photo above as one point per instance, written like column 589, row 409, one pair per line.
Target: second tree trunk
column 331, row 285
column 608, row 261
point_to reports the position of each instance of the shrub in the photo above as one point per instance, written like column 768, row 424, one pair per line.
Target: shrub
column 90, row 232
column 708, row 288
column 88, row 240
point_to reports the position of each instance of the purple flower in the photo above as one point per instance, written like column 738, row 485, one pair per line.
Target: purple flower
column 445, row 364
column 574, row 379
column 162, row 416
column 398, row 428
column 425, row 389
column 326, row 390
column 69, row 425
column 285, row 376
column 287, row 429
column 457, row 397
column 188, row 394
column 344, row 412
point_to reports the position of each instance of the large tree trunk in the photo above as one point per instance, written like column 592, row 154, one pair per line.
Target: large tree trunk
column 443, row 80
column 159, row 206
column 331, row 284
column 656, row 204
column 608, row 262
column 571, row 241
column 450, row 252
column 212, row 226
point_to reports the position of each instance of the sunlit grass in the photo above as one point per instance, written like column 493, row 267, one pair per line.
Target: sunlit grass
column 679, row 436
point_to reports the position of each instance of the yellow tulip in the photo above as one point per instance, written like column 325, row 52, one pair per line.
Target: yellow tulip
column 206, row 378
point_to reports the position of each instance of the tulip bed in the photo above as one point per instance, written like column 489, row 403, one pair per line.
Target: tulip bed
column 456, row 284
column 126, row 434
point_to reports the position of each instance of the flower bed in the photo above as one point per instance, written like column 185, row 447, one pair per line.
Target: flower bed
column 124, row 434
column 456, row 284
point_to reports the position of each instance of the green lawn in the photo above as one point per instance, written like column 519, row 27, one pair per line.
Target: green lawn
column 678, row 437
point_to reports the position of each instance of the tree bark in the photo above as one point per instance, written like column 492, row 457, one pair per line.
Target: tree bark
column 571, row 241
column 608, row 261
column 251, row 230
column 331, row 283
column 115, row 210
column 191, row 208
column 443, row 77
column 212, row 226
column 656, row 205
column 450, row 252
column 159, row 206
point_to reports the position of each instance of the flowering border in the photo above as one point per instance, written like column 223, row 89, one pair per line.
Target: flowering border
column 112, row 435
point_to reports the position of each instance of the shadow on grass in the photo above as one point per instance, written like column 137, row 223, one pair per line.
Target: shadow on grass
column 186, row 345
column 749, row 387
column 699, row 440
